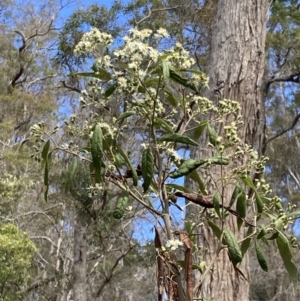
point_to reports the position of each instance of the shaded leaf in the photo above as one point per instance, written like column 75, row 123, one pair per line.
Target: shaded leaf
column 182, row 81
column 179, row 187
column 217, row 231
column 147, row 168
column 177, row 138
column 97, row 151
column 110, row 90
column 262, row 232
column 164, row 125
column 259, row 202
column 212, row 135
column 246, row 243
column 126, row 115
column 185, row 168
column 233, row 247
column 216, row 202
column 261, row 257
column 129, row 164
column 286, row 256
column 171, row 98
column 199, row 129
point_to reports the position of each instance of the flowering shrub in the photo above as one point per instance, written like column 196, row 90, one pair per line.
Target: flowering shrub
column 158, row 90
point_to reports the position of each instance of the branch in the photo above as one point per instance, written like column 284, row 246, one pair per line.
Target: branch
column 292, row 78
column 70, row 88
column 292, row 125
column 108, row 278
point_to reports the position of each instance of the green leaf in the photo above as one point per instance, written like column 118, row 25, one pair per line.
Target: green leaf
column 233, row 247
column 237, row 190
column 121, row 205
column 166, row 69
column 187, row 167
column 278, row 224
column 182, row 81
column 217, row 231
column 199, row 129
column 261, row 257
column 45, row 150
column 216, row 202
column 241, row 203
column 246, row 243
column 248, row 182
column 126, row 115
column 45, row 163
column 97, row 151
column 179, row 187
column 196, row 178
column 273, row 236
column 286, row 256
column 177, row 138
column 259, row 202
column 212, row 135
column 129, row 164
column 164, row 125
column 147, row 168
column 262, row 232
column 73, row 168
column 171, row 98
column 110, row 90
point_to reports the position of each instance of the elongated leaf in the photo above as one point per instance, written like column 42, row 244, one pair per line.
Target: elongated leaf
column 171, row 98
column 126, row 115
column 196, row 178
column 73, row 168
column 129, row 164
column 286, row 256
column 237, row 190
column 233, row 247
column 110, row 90
column 259, row 203
column 273, row 236
column 248, row 181
column 212, row 135
column 177, row 138
column 216, row 201
column 182, row 81
column 147, row 168
column 45, row 163
column 246, row 243
column 97, row 151
column 199, row 129
column 179, row 187
column 166, row 69
column 217, row 231
column 99, row 73
column 261, row 257
column 241, row 203
column 164, row 125
column 45, row 150
column 187, row 167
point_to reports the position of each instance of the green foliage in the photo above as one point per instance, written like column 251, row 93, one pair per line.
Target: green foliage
column 16, row 254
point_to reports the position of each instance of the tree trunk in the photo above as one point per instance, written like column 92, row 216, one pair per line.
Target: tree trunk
column 80, row 267
column 235, row 70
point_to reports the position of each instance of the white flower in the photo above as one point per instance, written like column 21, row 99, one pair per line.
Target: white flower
column 174, row 244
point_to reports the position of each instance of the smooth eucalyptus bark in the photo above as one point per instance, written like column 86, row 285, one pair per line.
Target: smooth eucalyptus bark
column 235, row 70
column 80, row 265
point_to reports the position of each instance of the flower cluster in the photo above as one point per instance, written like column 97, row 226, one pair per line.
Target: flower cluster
column 174, row 244
column 93, row 41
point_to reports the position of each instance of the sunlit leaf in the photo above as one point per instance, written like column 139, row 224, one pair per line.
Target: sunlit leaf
column 164, row 125
column 126, row 115
column 212, row 135
column 216, row 202
column 199, row 129
column 121, row 205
